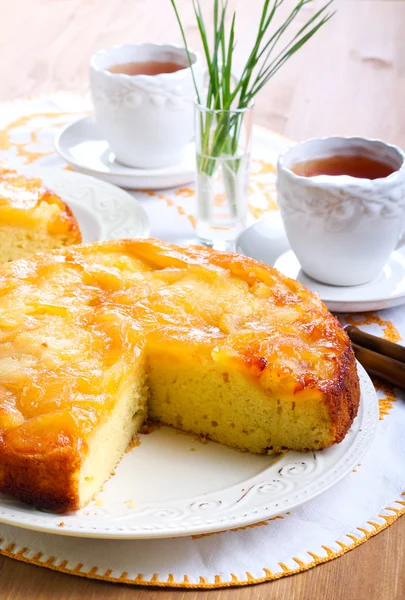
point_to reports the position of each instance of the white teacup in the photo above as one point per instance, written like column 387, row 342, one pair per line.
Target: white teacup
column 146, row 119
column 342, row 228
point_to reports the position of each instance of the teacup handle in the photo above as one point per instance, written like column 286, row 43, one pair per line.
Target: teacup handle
column 401, row 240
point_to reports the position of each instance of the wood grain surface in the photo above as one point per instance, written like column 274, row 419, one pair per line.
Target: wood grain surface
column 350, row 79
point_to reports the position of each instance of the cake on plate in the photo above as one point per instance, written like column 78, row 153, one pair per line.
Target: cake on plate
column 97, row 338
column 32, row 218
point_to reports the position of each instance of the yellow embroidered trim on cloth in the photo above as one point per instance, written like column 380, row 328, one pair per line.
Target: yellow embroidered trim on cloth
column 170, row 582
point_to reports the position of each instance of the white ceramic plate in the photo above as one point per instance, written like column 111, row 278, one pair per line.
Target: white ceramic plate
column 82, row 146
column 174, row 485
column 266, row 241
column 103, row 211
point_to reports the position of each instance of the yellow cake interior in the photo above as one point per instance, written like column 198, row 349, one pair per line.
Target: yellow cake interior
column 205, row 399
column 217, row 401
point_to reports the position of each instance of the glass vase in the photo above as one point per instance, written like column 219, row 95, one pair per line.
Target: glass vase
column 223, row 140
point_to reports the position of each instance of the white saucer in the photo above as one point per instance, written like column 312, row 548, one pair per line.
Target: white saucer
column 266, row 241
column 84, row 149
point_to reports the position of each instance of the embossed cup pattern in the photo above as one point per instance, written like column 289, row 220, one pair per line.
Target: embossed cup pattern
column 342, row 229
column 147, row 120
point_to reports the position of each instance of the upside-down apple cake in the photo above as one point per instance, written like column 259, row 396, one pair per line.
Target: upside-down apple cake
column 96, row 338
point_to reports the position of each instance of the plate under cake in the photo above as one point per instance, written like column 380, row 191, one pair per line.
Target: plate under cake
column 32, row 218
column 95, row 338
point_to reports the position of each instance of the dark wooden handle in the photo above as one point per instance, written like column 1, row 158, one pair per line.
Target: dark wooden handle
column 381, row 366
column 376, row 344
column 379, row 357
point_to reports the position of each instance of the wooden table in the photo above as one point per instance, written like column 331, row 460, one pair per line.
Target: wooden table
column 350, row 79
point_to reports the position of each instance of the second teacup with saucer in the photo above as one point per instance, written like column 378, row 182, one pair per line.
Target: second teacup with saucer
column 345, row 228
column 342, row 201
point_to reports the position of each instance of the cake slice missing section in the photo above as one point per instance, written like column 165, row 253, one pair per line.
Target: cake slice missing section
column 109, row 441
column 94, row 337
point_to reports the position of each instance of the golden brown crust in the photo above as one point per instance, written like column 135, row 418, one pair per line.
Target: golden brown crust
column 46, row 481
column 343, row 395
column 67, row 317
